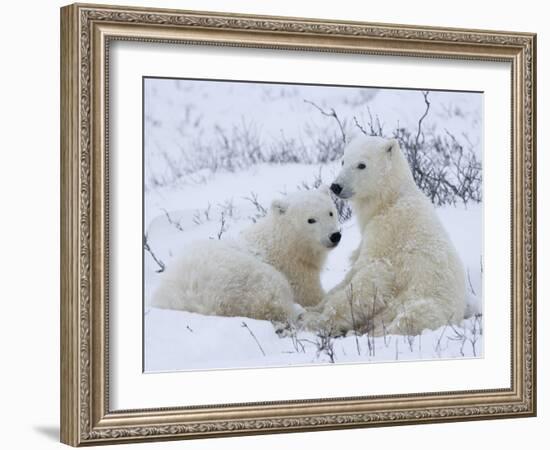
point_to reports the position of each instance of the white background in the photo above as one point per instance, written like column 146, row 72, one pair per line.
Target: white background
column 30, row 222
column 131, row 389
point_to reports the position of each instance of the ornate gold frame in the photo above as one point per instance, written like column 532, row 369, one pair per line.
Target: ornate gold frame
column 86, row 31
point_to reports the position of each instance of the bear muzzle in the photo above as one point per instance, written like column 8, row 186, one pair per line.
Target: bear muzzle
column 336, row 188
column 335, row 237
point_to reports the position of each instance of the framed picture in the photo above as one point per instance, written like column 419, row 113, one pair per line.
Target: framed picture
column 275, row 224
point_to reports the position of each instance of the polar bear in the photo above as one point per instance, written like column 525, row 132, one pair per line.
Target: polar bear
column 275, row 264
column 405, row 275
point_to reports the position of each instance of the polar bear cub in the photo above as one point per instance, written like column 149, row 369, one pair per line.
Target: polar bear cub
column 275, row 264
column 406, row 275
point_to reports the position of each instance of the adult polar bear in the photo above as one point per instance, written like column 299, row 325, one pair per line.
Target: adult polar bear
column 276, row 264
column 406, row 275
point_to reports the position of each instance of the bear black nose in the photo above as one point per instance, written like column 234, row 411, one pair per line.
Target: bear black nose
column 335, row 237
column 336, row 188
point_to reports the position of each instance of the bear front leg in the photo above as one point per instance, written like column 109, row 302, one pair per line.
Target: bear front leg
column 356, row 305
column 355, row 255
column 330, row 317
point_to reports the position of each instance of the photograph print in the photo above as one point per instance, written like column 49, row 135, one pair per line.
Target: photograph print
column 292, row 224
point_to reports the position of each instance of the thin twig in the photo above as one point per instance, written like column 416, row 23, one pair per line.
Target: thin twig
column 261, row 210
column 358, row 125
column 438, row 346
column 332, row 114
column 470, row 282
column 223, row 228
column 385, row 331
column 244, row 325
column 353, row 323
column 171, row 221
column 427, row 102
column 146, row 246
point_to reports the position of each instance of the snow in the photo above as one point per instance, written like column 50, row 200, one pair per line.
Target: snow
column 181, row 119
column 179, row 340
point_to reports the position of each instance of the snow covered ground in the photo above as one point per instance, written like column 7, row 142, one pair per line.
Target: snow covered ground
column 179, row 340
column 186, row 196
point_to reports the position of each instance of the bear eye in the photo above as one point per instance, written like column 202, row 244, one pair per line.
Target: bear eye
column 361, row 166
column 330, row 214
column 342, row 162
column 311, row 221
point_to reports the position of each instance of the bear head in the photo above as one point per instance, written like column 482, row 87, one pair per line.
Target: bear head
column 309, row 219
column 371, row 166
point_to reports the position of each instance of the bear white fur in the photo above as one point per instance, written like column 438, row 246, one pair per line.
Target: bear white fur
column 406, row 275
column 275, row 264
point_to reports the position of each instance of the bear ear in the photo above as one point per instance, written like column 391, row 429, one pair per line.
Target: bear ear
column 279, row 206
column 324, row 189
column 393, row 145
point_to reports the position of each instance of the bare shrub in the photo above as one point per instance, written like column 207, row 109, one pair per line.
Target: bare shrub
column 227, row 208
column 288, row 329
column 260, row 211
column 315, row 183
column 201, row 216
column 476, row 331
column 287, row 150
column 470, row 333
column 241, row 146
column 342, row 206
column 325, row 343
column 442, row 167
column 445, row 169
column 459, row 335
column 172, row 221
